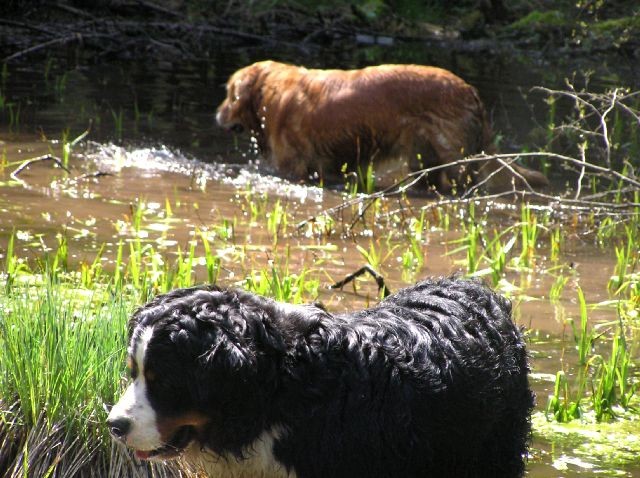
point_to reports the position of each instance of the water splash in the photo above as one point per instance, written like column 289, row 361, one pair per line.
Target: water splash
column 111, row 158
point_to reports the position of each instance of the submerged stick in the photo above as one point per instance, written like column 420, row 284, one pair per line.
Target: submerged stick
column 375, row 274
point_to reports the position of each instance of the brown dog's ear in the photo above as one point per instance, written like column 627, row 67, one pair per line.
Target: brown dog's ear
column 244, row 83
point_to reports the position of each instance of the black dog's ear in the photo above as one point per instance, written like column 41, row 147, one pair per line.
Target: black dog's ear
column 229, row 354
column 133, row 322
column 237, row 329
column 228, row 345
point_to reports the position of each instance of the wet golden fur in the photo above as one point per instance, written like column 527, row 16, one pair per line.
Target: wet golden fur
column 314, row 121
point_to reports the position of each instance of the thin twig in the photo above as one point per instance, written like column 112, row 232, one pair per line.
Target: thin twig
column 583, row 169
column 159, row 8
column 26, row 26
column 73, row 10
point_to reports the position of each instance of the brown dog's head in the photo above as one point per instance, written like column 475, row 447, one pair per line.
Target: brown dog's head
column 238, row 111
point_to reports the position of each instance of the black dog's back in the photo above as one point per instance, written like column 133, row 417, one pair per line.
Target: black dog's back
column 482, row 395
column 432, row 382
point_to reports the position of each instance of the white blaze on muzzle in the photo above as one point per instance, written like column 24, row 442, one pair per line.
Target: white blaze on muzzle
column 134, row 405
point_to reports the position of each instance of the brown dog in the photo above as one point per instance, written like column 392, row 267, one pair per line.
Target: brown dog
column 315, row 121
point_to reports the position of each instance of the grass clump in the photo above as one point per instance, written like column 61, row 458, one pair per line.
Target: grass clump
column 61, row 358
column 63, row 336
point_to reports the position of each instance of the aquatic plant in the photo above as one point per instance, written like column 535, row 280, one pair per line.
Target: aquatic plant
column 529, row 236
column 212, row 261
column 282, row 285
column 561, row 405
column 412, row 257
column 374, row 255
column 118, row 120
column 627, row 259
column 14, row 114
column 60, row 85
column 556, row 241
column 367, row 178
column 497, row 253
column 471, row 239
column 611, row 383
column 558, row 286
column 277, row 221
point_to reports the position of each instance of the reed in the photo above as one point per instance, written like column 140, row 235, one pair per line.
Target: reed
column 561, row 406
column 374, row 255
column 212, row 261
column 412, row 257
column 556, row 243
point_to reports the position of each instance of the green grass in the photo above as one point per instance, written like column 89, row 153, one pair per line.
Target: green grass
column 61, row 358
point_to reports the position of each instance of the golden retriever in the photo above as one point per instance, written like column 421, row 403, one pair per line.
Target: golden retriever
column 315, row 121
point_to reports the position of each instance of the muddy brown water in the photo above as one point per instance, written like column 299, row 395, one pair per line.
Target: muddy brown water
column 203, row 174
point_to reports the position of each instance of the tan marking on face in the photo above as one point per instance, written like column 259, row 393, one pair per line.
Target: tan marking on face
column 168, row 426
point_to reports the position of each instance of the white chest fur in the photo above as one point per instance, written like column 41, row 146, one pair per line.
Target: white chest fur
column 259, row 461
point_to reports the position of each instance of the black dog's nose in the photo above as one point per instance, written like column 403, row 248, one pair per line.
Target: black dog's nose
column 119, row 427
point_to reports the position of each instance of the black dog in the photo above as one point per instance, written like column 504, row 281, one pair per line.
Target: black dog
column 432, row 382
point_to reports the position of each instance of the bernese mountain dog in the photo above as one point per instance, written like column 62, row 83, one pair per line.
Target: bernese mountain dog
column 431, row 382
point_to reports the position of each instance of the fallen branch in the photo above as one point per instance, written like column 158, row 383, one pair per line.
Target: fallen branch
column 27, row 162
column 505, row 161
column 57, row 41
column 411, row 179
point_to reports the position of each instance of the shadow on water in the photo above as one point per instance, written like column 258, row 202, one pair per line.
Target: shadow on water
column 205, row 173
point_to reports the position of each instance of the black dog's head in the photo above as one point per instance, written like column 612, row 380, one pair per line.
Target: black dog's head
column 202, row 362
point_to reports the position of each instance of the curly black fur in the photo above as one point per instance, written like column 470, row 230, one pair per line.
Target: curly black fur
column 432, row 382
